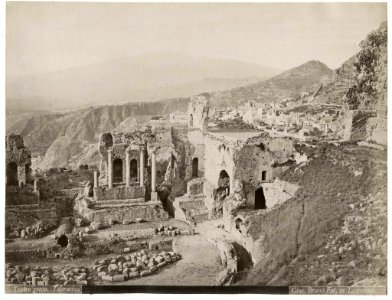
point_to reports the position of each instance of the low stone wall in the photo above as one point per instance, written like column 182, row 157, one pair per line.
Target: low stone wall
column 148, row 211
column 17, row 254
column 120, row 192
column 16, row 196
column 26, row 215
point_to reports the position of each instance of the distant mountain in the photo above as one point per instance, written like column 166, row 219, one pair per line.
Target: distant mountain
column 130, row 79
column 290, row 84
column 67, row 139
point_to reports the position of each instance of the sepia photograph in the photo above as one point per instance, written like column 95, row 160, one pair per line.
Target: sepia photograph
column 195, row 148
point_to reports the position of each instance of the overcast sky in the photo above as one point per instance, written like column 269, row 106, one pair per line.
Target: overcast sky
column 45, row 37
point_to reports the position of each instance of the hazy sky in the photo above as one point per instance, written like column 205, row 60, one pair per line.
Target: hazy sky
column 43, row 37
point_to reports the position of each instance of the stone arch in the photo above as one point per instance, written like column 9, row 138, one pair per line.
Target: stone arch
column 195, row 167
column 224, row 181
column 133, row 168
column 12, row 173
column 118, row 170
column 260, row 202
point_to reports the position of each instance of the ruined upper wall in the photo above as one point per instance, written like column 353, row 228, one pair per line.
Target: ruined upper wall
column 16, row 152
column 198, row 111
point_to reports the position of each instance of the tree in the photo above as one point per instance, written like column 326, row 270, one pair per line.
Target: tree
column 370, row 71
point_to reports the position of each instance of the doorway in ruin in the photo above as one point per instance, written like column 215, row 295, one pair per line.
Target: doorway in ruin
column 260, row 199
column 117, row 170
column 191, row 120
column 107, row 139
column 224, row 182
column 133, row 168
column 12, row 173
column 28, row 172
column 62, row 241
column 195, row 167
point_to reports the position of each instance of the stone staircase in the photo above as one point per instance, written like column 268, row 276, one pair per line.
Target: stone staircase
column 191, row 208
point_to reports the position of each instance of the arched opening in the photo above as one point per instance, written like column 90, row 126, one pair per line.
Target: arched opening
column 191, row 120
column 117, row 170
column 264, row 175
column 260, row 199
column 224, row 182
column 107, row 139
column 12, row 173
column 62, row 241
column 238, row 223
column 28, row 172
column 195, row 167
column 133, row 166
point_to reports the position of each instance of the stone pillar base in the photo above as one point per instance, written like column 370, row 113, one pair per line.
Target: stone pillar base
column 154, row 196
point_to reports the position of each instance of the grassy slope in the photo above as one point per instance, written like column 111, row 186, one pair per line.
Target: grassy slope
column 341, row 238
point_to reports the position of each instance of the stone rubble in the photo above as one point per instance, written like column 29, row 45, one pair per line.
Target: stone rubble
column 117, row 269
column 138, row 264
column 172, row 231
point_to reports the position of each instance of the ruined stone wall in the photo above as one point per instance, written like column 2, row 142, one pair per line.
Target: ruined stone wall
column 219, row 155
column 272, row 235
column 148, row 211
column 258, row 155
column 195, row 186
column 18, row 154
column 17, row 196
column 27, row 215
column 356, row 125
column 376, row 129
column 196, row 149
column 120, row 192
column 198, row 111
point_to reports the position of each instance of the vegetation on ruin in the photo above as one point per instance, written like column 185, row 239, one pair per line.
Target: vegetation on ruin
column 340, row 236
column 370, row 78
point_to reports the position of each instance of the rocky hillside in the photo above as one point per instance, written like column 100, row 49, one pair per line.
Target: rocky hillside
column 307, row 77
column 66, row 139
column 334, row 230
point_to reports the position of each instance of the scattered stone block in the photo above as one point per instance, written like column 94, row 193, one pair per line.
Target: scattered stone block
column 118, row 278
column 133, row 274
column 107, row 278
column 153, row 268
column 145, row 273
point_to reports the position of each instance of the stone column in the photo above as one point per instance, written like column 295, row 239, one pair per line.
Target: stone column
column 153, row 172
column 141, row 167
column 154, row 194
column 127, row 168
column 96, row 182
column 110, row 169
column 35, row 185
